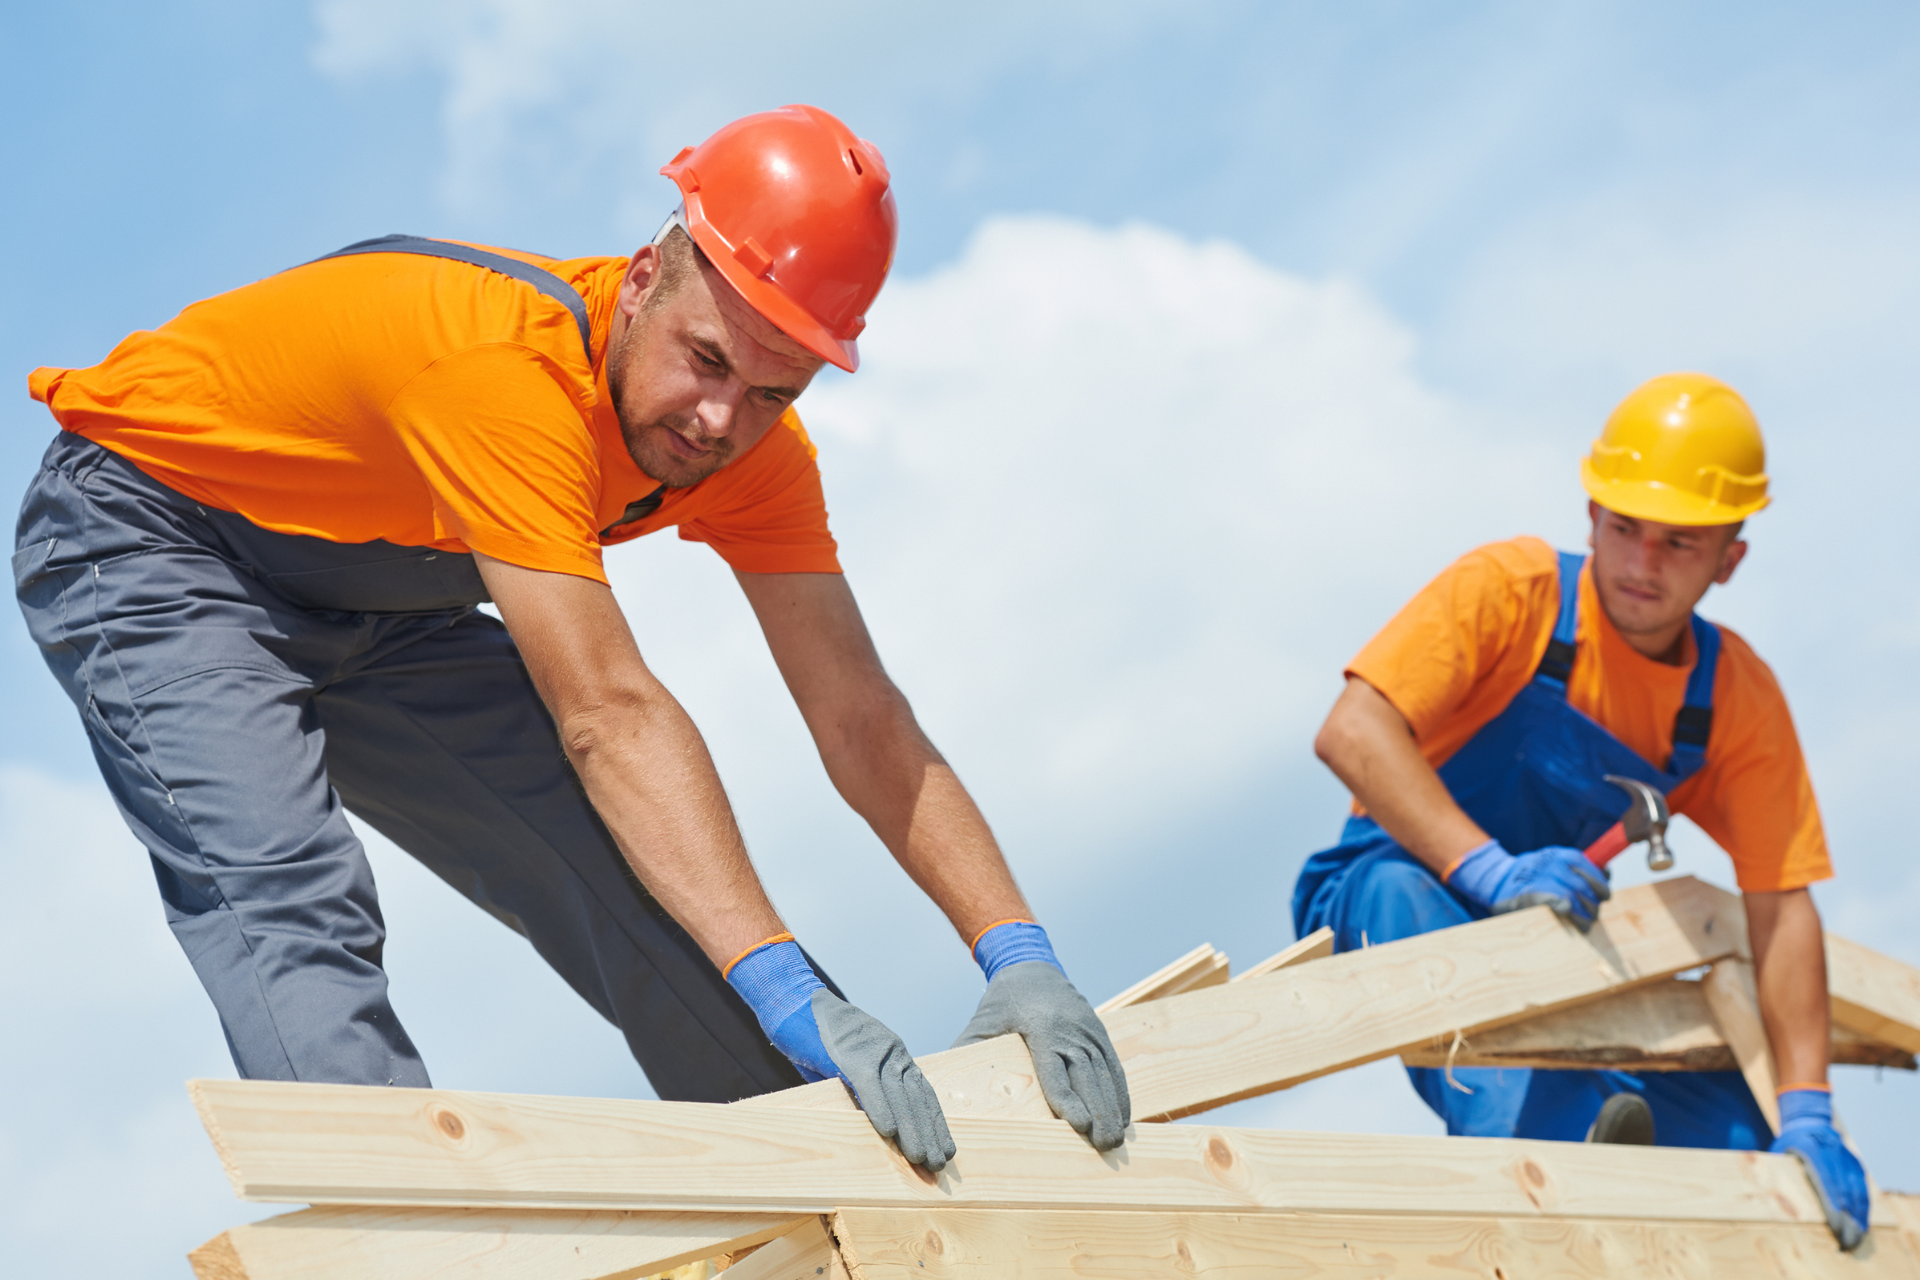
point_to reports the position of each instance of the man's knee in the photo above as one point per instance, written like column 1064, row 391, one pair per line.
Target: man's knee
column 1391, row 898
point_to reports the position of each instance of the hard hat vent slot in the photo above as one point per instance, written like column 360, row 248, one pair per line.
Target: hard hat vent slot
column 854, row 159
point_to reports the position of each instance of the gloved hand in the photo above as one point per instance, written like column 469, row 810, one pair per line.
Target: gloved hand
column 1806, row 1130
column 1028, row 992
column 1555, row 877
column 824, row 1036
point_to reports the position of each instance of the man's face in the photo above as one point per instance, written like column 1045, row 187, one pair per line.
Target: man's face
column 1651, row 575
column 697, row 376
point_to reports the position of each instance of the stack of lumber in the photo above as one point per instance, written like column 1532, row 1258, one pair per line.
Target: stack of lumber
column 431, row 1183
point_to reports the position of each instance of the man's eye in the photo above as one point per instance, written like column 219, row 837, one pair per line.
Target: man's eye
column 706, row 360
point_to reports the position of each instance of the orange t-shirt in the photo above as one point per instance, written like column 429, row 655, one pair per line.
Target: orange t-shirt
column 429, row 403
column 1468, row 643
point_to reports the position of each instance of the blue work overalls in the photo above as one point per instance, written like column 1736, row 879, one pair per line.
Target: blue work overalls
column 1533, row 776
column 243, row 688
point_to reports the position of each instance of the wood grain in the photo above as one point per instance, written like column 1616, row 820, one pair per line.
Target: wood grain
column 1317, row 945
column 361, row 1243
column 1734, row 999
column 805, row 1253
column 1187, row 1053
column 1200, row 967
column 343, row 1144
column 960, row 1244
column 1873, row 994
column 1663, row 1026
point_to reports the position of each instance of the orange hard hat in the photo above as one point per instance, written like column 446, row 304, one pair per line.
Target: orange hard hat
column 796, row 213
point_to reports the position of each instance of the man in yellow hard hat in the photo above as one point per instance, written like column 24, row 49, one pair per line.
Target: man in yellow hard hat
column 1477, row 730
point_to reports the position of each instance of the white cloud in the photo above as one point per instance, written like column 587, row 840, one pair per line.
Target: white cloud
column 1118, row 506
column 602, row 92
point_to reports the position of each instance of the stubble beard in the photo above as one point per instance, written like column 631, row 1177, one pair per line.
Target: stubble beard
column 649, row 452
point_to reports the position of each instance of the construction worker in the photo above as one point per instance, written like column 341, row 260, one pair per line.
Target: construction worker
column 1476, row 732
column 253, row 559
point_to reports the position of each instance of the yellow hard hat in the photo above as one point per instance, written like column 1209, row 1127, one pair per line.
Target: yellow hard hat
column 1682, row 449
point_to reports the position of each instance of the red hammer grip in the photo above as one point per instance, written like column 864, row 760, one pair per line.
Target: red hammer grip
column 1609, row 846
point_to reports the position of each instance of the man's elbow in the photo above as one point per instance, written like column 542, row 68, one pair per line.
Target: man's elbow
column 1334, row 743
column 591, row 722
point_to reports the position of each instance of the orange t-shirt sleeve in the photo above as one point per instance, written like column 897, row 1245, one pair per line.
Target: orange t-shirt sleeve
column 770, row 515
column 1474, row 626
column 1755, row 798
column 510, row 462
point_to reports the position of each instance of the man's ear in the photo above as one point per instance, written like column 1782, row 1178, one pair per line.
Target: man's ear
column 643, row 272
column 1593, row 521
column 1730, row 559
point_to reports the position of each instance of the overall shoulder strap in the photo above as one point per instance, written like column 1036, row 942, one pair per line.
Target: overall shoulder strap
column 545, row 281
column 1694, row 723
column 1557, row 664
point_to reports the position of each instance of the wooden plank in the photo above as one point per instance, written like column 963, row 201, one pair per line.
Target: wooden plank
column 344, row 1144
column 1315, row 946
column 1663, row 1026
column 1874, row 994
column 1187, row 1053
column 1870, row 993
column 1192, row 1052
column 806, row 1253
column 1200, row 967
column 965, row 1244
column 1735, row 1001
column 360, row 1243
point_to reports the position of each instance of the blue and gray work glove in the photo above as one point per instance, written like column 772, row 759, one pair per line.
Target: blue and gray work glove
column 1806, row 1130
column 1028, row 992
column 824, row 1037
column 1555, row 876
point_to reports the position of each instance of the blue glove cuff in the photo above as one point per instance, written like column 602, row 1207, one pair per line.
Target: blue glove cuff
column 1012, row 942
column 776, row 982
column 1806, row 1109
column 1477, row 876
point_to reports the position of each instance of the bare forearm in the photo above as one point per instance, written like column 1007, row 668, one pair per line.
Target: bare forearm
column 891, row 775
column 642, row 762
column 1369, row 746
column 1790, row 968
column 650, row 776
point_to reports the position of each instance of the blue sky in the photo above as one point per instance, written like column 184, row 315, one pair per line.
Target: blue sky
column 1215, row 330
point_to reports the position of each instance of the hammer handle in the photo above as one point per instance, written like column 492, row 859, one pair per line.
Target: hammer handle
column 1609, row 846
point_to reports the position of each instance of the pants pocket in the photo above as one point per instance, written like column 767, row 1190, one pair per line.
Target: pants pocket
column 148, row 806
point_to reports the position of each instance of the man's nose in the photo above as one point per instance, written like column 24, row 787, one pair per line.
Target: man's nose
column 721, row 406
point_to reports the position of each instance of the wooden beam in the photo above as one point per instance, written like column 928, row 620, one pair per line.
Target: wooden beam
column 806, row 1253
column 965, row 1244
column 1873, row 994
column 1735, row 1001
column 1200, row 967
column 1663, row 1026
column 344, row 1144
column 360, row 1243
column 1187, row 1053
column 1317, row 945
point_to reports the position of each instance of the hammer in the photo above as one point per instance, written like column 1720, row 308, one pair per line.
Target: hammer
column 1646, row 819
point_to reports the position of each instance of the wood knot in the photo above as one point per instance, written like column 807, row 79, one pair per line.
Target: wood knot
column 1186, row 1254
column 450, row 1124
column 934, row 1244
column 1219, row 1154
column 1534, row 1173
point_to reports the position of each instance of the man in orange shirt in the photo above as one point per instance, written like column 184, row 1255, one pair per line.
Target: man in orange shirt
column 253, row 559
column 1476, row 732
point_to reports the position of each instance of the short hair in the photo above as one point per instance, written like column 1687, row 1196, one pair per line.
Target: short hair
column 680, row 260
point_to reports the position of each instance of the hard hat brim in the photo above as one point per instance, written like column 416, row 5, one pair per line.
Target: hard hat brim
column 1663, row 503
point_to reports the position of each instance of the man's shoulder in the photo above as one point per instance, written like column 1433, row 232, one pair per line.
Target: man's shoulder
column 1741, row 668
column 1523, row 566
